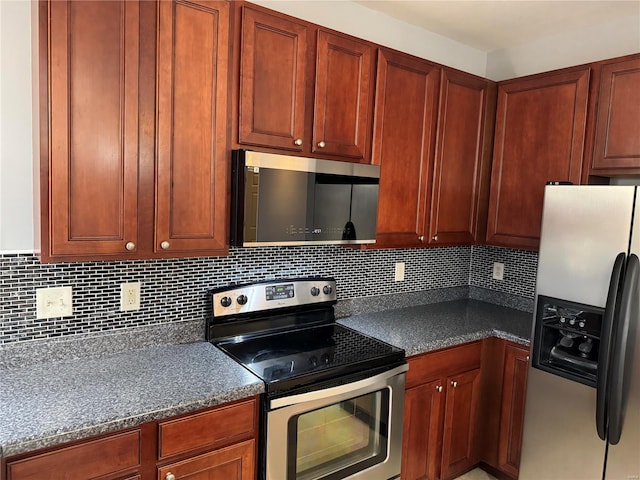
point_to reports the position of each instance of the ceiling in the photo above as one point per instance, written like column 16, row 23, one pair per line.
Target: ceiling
column 490, row 25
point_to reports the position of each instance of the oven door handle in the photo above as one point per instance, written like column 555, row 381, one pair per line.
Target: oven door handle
column 339, row 390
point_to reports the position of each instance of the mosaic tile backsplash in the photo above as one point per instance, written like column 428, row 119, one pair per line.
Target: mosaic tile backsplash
column 175, row 289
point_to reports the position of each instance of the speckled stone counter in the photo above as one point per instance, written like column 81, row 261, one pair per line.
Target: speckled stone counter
column 430, row 327
column 47, row 404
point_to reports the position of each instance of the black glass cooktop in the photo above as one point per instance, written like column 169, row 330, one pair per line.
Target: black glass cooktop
column 314, row 352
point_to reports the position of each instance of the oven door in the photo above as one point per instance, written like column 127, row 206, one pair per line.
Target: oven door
column 348, row 431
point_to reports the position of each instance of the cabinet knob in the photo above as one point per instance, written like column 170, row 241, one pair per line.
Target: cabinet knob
column 130, row 246
column 439, row 388
column 435, row 238
column 164, row 245
column 421, row 238
column 298, row 141
column 454, row 384
column 321, row 144
column 169, row 476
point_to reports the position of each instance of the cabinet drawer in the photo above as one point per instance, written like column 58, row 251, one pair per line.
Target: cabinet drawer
column 429, row 366
column 212, row 428
column 92, row 459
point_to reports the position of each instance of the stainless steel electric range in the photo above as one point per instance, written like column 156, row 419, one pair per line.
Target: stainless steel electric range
column 334, row 397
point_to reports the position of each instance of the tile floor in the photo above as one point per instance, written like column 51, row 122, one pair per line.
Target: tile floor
column 476, row 474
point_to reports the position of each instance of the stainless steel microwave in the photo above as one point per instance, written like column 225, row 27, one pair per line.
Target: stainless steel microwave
column 286, row 200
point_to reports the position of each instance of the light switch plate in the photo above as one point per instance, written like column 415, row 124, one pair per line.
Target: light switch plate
column 54, row 302
column 498, row 271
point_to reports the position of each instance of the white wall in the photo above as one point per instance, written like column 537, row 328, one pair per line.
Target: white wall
column 16, row 191
column 608, row 40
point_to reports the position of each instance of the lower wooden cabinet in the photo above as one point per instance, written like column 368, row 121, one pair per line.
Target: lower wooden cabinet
column 514, row 389
column 441, row 406
column 236, row 462
column 215, row 443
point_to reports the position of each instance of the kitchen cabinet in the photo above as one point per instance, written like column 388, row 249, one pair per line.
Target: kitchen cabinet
column 109, row 187
column 461, row 173
column 403, row 146
column 434, row 160
column 278, row 69
column 539, row 137
column 116, row 456
column 514, row 390
column 617, row 118
column 236, row 462
column 441, row 407
column 220, row 441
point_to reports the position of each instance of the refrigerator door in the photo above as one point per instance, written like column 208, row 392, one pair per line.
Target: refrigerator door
column 583, row 229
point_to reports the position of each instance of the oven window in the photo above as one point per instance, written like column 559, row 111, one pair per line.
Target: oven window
column 340, row 439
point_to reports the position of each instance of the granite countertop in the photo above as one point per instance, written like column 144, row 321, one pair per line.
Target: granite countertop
column 430, row 327
column 51, row 403
column 60, row 400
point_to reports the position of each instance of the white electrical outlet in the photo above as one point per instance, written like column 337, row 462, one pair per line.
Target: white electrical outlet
column 498, row 271
column 399, row 272
column 54, row 302
column 129, row 296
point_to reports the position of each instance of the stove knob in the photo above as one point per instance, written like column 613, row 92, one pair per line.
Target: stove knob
column 225, row 301
column 581, row 324
column 327, row 289
column 242, row 299
column 315, row 291
column 313, row 361
column 572, row 321
column 325, row 359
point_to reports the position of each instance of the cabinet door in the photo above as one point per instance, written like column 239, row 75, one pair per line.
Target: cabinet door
column 512, row 410
column 459, row 451
column 92, row 178
column 192, row 154
column 236, row 462
column 540, row 130
column 422, row 435
column 405, row 116
column 462, row 161
column 617, row 143
column 343, row 97
column 272, row 81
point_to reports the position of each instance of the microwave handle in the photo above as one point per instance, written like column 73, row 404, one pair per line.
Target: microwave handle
column 625, row 334
column 606, row 338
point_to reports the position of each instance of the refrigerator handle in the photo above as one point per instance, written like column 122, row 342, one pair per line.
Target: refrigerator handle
column 624, row 335
column 606, row 336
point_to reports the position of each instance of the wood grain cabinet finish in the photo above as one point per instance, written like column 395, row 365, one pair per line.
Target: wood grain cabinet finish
column 514, row 390
column 403, row 144
column 343, row 96
column 191, row 173
column 112, row 457
column 236, row 462
column 461, row 172
column 441, row 405
column 617, row 136
column 89, row 149
column 273, row 81
column 539, row 137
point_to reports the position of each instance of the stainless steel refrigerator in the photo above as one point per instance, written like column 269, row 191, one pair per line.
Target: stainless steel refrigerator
column 582, row 412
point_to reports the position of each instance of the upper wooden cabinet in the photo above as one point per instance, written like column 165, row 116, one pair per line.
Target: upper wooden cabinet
column 405, row 118
column 273, row 80
column 463, row 159
column 109, row 186
column 539, row 137
column 280, row 70
column 423, row 201
column 89, row 128
column 617, row 120
column 192, row 156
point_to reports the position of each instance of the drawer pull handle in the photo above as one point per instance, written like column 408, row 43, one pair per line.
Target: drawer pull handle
column 454, row 384
column 169, row 476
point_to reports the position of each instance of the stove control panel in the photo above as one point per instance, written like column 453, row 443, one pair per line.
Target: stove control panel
column 242, row 299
